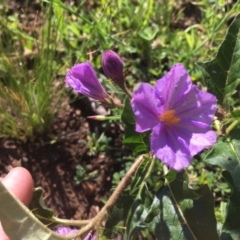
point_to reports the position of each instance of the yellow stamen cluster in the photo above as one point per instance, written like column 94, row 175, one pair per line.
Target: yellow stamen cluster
column 168, row 117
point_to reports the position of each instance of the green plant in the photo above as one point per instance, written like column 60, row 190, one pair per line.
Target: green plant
column 82, row 174
column 29, row 88
column 69, row 34
column 97, row 144
column 163, row 203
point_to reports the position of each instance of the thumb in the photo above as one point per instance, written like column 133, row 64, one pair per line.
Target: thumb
column 20, row 183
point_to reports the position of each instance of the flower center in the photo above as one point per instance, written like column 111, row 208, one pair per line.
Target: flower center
column 169, row 117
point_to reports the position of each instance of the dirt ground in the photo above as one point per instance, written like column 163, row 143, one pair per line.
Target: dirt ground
column 53, row 165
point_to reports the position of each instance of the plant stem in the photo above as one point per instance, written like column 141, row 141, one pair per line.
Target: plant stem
column 153, row 160
column 110, row 102
column 118, row 105
column 111, row 201
column 149, row 171
column 129, row 94
column 217, row 125
column 232, row 126
column 70, row 222
column 165, row 171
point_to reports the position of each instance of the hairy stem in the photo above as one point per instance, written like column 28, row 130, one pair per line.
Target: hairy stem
column 111, row 201
column 70, row 222
column 232, row 126
column 129, row 94
column 112, row 103
column 165, row 171
column 149, row 171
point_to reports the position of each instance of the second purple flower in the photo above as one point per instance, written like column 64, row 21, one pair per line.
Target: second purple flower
column 83, row 79
column 64, row 231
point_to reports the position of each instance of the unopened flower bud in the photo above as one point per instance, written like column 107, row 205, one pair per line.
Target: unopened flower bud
column 104, row 118
column 98, row 117
column 112, row 66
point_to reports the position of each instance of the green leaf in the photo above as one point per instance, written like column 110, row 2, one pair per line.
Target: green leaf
column 127, row 114
column 149, row 33
column 117, row 215
column 137, row 214
column 171, row 176
column 20, row 223
column 179, row 212
column 176, row 212
column 123, row 218
column 137, row 142
column 236, row 113
column 222, row 74
column 40, row 210
column 135, row 219
column 226, row 154
column 231, row 227
column 140, row 175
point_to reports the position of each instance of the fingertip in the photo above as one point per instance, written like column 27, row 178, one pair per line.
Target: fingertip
column 20, row 183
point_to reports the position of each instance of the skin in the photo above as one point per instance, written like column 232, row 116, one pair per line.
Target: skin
column 20, row 183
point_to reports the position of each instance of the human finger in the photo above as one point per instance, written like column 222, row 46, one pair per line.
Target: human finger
column 20, row 183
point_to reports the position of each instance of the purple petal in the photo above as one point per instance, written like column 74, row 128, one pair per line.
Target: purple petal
column 199, row 141
column 64, row 231
column 82, row 78
column 199, row 106
column 193, row 126
column 174, row 86
column 170, row 148
column 190, row 103
column 90, row 236
column 146, row 107
column 195, row 141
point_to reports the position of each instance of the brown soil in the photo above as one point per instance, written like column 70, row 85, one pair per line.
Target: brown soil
column 53, row 163
column 52, row 157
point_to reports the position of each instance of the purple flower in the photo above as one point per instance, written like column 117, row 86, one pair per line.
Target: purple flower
column 112, row 66
column 90, row 236
column 64, row 231
column 82, row 78
column 179, row 115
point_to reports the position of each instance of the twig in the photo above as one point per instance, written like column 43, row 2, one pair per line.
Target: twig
column 111, row 201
